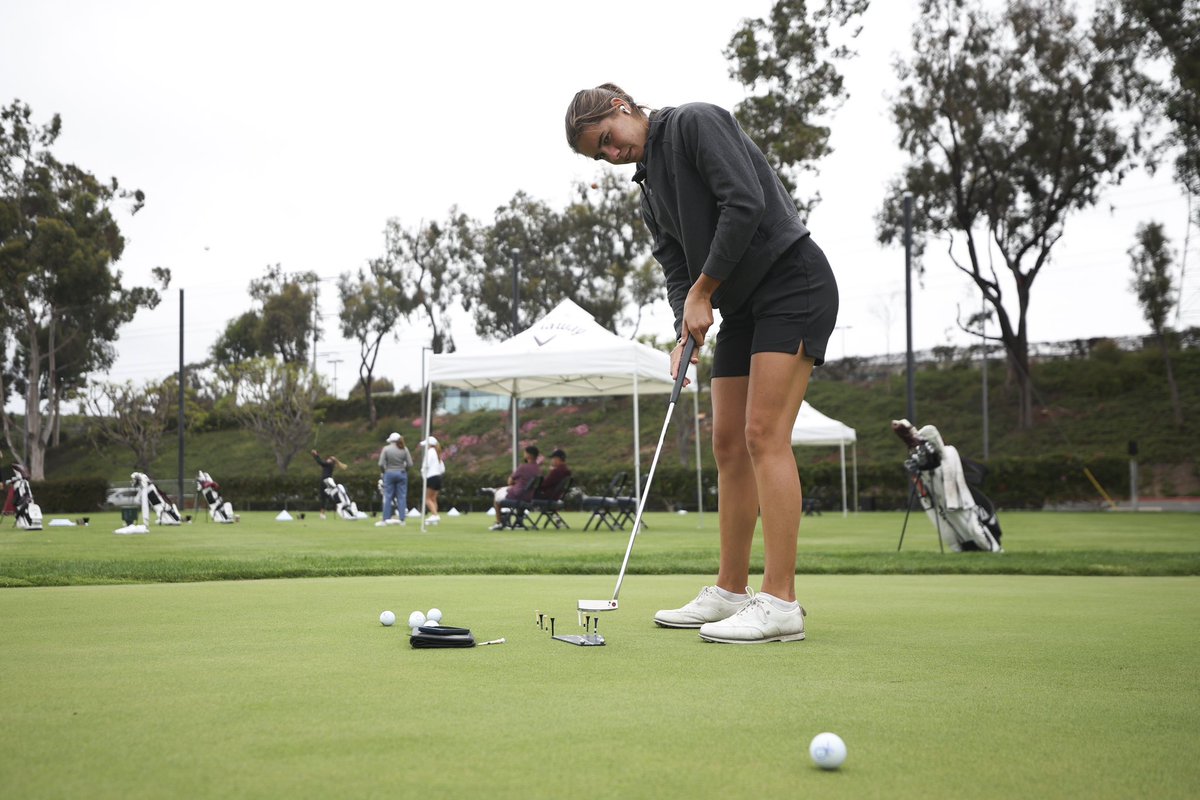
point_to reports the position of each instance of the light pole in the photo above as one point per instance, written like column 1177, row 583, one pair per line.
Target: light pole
column 335, row 362
column 910, row 391
column 843, row 329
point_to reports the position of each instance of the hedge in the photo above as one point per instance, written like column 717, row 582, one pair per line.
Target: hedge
column 1011, row 483
column 79, row 495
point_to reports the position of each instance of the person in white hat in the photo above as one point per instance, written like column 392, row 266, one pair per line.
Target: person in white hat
column 432, row 469
column 394, row 461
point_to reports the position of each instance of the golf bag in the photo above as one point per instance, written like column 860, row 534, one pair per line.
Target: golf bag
column 28, row 513
column 219, row 509
column 154, row 500
column 346, row 508
column 964, row 518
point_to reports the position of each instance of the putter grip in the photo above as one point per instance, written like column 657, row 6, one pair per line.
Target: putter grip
column 684, row 362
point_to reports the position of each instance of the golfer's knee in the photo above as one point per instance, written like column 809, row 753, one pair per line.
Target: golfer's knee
column 729, row 447
column 763, row 441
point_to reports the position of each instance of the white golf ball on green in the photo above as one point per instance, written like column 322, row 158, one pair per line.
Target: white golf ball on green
column 828, row 751
column 416, row 619
column 387, row 618
column 434, row 615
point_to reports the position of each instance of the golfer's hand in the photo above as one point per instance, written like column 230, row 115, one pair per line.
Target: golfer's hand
column 676, row 356
column 697, row 310
column 314, row 452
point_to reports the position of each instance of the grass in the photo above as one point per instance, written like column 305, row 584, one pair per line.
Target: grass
column 1161, row 544
column 942, row 686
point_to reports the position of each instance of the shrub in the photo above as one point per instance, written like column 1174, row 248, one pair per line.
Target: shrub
column 78, row 495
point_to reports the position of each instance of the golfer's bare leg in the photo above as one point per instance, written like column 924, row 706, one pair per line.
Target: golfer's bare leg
column 736, row 487
column 777, row 385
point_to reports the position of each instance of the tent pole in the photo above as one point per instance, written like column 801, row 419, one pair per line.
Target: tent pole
column 428, row 431
column 514, row 426
column 637, row 439
column 699, row 474
column 842, row 448
column 854, row 456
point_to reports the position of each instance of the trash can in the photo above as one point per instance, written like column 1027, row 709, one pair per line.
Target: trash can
column 129, row 515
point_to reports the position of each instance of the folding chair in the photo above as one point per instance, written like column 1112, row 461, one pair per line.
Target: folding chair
column 548, row 508
column 604, row 506
column 514, row 514
column 627, row 507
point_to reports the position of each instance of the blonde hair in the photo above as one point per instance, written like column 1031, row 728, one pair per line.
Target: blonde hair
column 590, row 106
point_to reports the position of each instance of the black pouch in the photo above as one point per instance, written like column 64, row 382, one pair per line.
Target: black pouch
column 441, row 636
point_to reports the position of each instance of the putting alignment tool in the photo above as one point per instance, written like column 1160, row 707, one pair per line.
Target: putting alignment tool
column 685, row 361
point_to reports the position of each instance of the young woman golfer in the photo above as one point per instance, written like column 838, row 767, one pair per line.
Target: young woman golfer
column 728, row 236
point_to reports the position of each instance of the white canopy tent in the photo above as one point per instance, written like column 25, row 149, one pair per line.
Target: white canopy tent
column 814, row 428
column 564, row 354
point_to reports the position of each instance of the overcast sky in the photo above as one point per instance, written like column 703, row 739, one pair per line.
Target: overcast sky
column 273, row 132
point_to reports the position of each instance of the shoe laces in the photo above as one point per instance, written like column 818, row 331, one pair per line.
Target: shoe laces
column 756, row 607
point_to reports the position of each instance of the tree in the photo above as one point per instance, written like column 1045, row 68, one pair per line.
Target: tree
column 791, row 60
column 284, row 323
column 606, row 252
column 276, row 404
column 594, row 253
column 1153, row 32
column 1151, row 260
column 1011, row 123
column 288, row 316
column 133, row 417
column 371, row 308
column 426, row 266
column 64, row 302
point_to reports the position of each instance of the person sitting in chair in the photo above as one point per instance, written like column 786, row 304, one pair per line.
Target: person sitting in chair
column 520, row 484
column 552, row 484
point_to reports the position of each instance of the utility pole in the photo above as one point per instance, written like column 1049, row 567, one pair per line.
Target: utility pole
column 911, row 392
column 179, row 424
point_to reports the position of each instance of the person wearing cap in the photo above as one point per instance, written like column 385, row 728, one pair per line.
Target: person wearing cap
column 327, row 465
column 552, row 484
column 432, row 470
column 394, row 461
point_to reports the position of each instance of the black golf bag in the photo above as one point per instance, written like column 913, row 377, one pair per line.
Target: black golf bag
column 28, row 513
column 346, row 508
column 964, row 517
column 154, row 500
column 219, row 509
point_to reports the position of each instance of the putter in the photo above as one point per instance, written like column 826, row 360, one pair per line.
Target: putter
column 594, row 606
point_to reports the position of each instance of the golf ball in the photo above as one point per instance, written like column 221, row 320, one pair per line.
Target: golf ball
column 434, row 615
column 828, row 751
column 431, row 623
column 416, row 619
column 387, row 618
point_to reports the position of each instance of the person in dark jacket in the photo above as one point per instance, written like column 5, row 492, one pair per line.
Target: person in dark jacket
column 327, row 464
column 728, row 237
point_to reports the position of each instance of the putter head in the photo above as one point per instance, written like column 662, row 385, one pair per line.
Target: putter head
column 597, row 605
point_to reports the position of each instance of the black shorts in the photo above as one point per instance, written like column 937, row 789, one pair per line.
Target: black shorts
column 434, row 482
column 796, row 302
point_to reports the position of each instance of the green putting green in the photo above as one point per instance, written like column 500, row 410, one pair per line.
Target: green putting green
column 942, row 686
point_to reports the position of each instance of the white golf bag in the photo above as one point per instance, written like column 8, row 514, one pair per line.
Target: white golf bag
column 219, row 509
column 154, row 500
column 28, row 513
column 346, row 508
column 963, row 517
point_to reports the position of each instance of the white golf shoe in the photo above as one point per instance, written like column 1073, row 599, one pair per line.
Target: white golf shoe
column 709, row 606
column 756, row 622
column 433, row 519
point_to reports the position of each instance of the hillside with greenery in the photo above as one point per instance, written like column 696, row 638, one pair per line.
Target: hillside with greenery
column 1088, row 408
